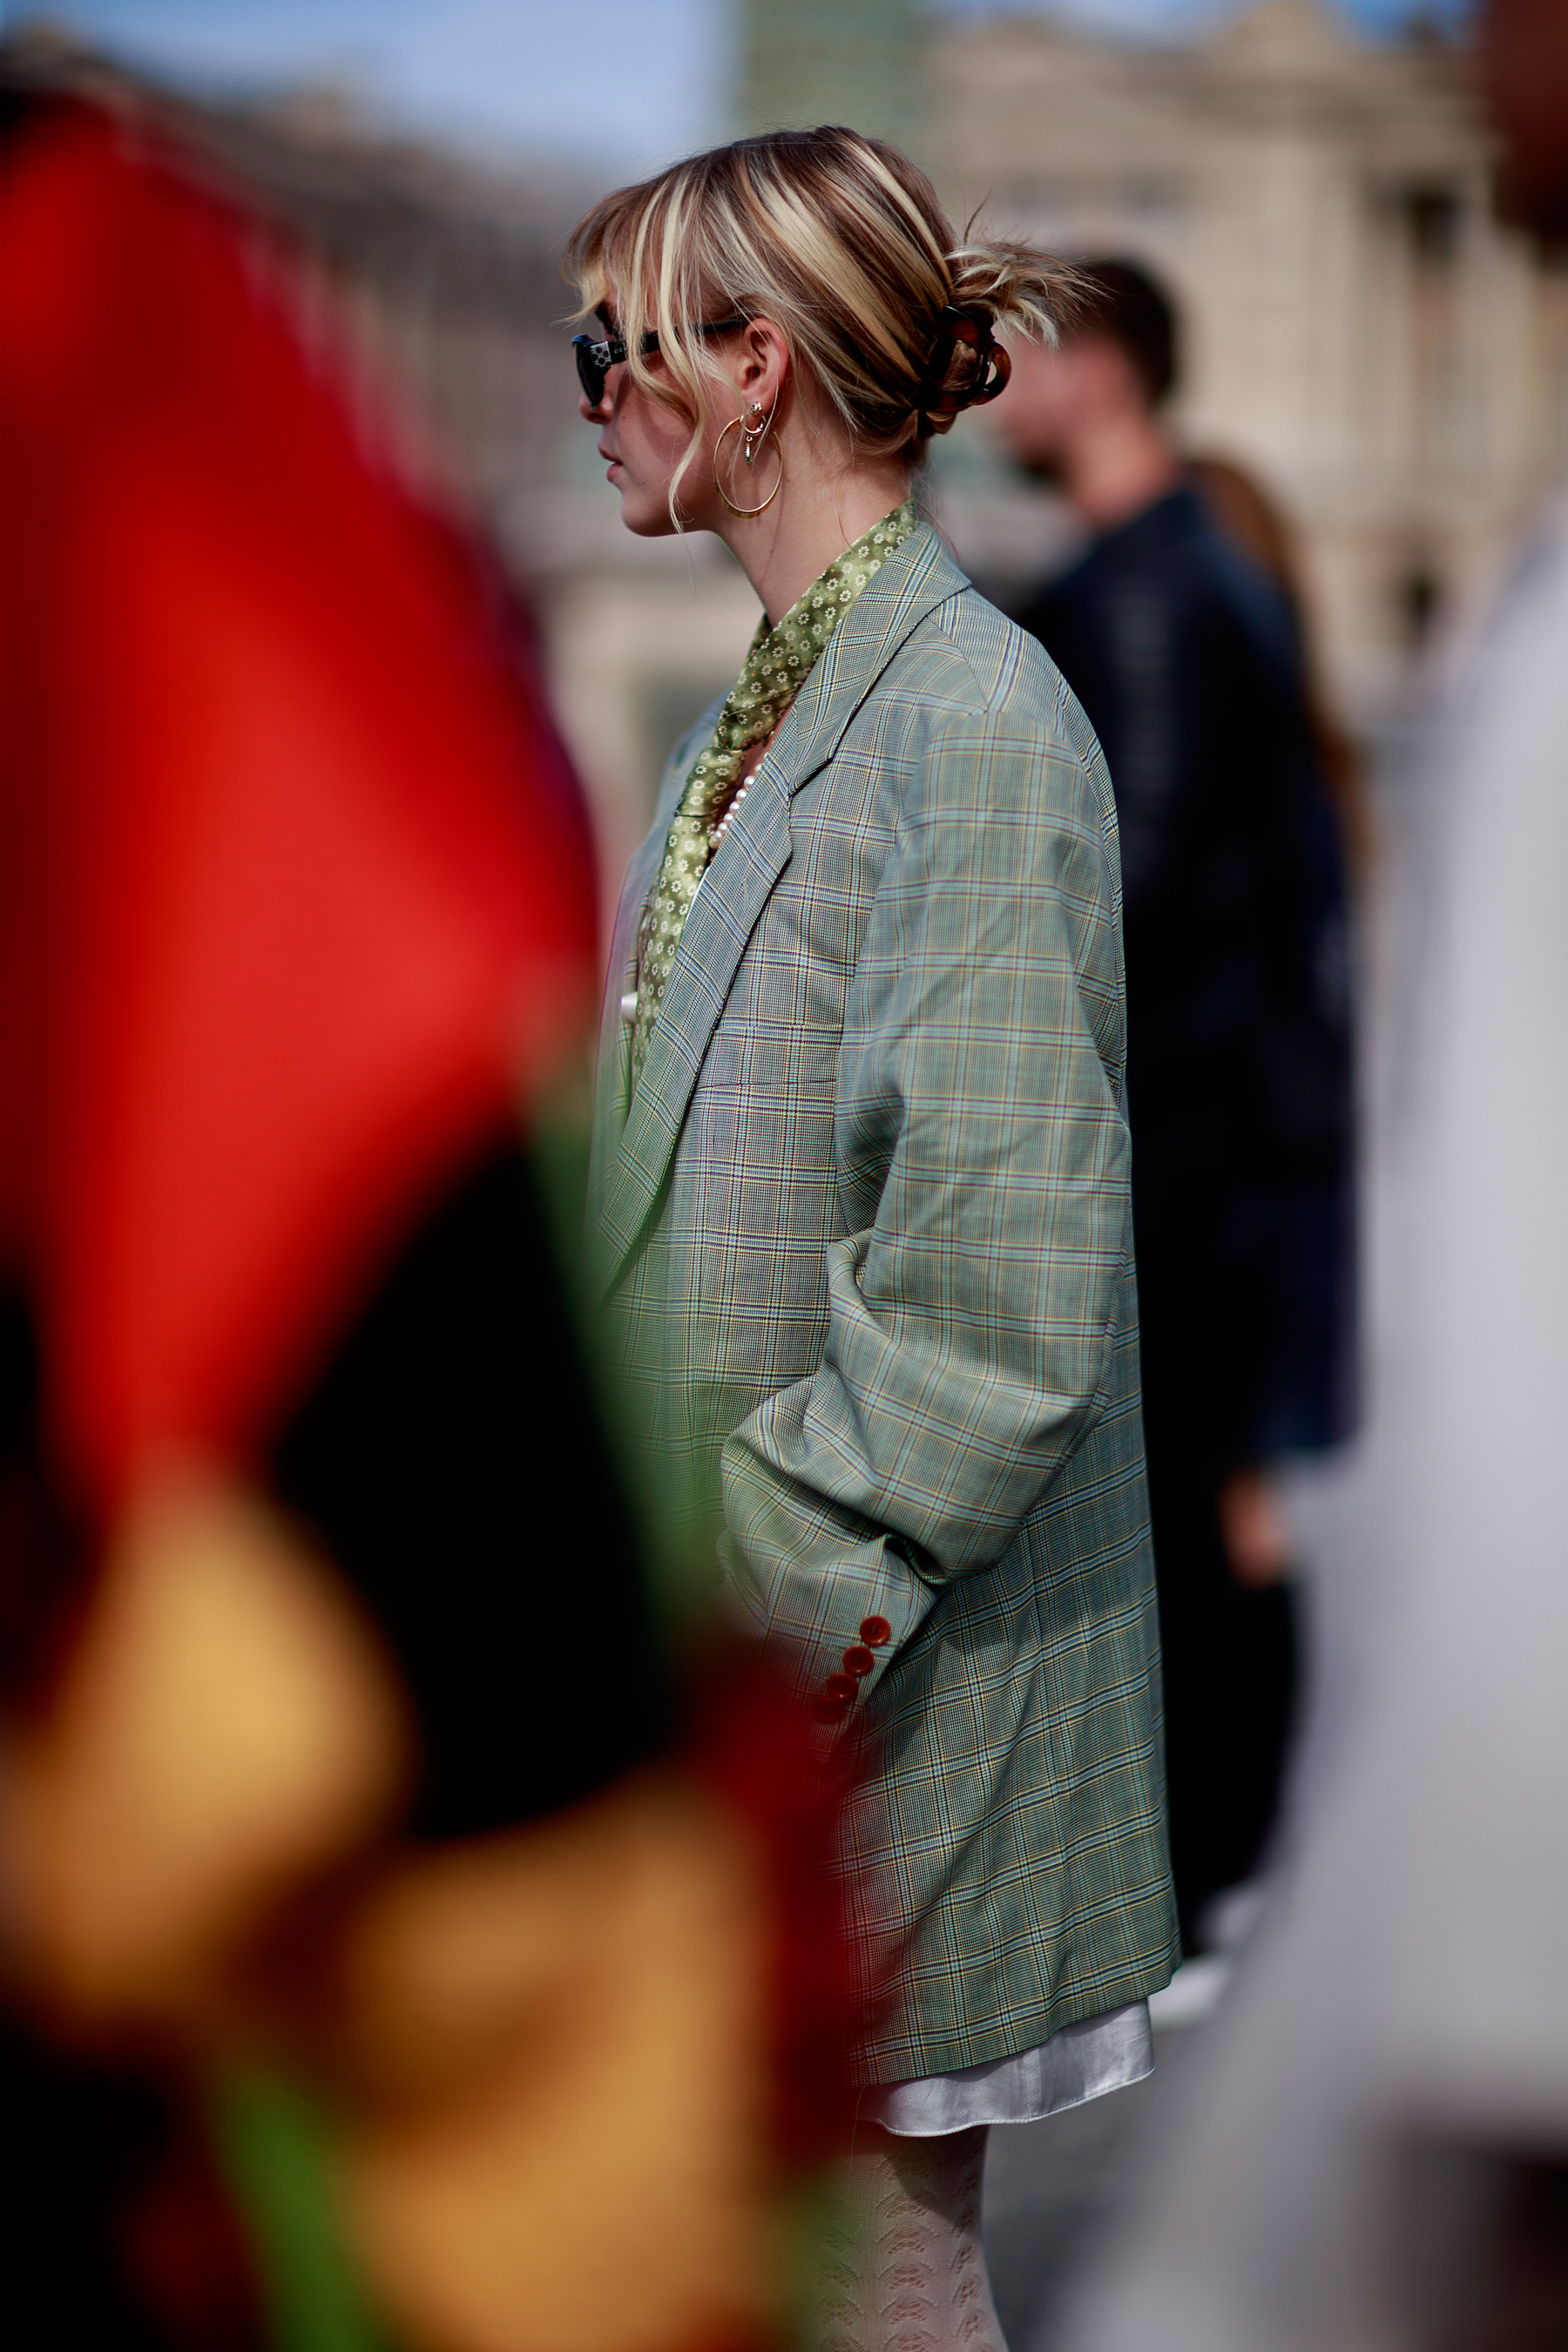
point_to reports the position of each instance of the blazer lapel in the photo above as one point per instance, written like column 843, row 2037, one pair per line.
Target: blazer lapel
column 912, row 584
column 734, row 892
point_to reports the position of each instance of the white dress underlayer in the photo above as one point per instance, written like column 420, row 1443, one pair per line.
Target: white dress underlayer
column 1077, row 2062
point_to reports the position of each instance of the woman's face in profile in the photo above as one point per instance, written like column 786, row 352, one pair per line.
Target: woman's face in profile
column 643, row 443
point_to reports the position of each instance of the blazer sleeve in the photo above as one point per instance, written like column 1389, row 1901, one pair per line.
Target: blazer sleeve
column 982, row 1154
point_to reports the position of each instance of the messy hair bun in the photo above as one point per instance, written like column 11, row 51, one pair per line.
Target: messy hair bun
column 839, row 240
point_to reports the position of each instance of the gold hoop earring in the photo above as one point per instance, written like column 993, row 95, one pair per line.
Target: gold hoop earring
column 751, row 439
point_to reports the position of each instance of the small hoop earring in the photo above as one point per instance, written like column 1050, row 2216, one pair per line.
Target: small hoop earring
column 751, row 439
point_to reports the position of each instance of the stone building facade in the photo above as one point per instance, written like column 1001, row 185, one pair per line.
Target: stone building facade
column 1359, row 332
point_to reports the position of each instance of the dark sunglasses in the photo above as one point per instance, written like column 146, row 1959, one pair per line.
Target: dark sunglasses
column 596, row 358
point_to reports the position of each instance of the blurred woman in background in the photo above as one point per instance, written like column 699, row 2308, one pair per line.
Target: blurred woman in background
column 860, row 1205
column 1250, row 518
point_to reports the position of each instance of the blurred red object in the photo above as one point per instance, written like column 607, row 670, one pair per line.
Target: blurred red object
column 296, row 901
column 751, row 1744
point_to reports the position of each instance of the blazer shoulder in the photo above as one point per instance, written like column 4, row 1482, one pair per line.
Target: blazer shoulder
column 974, row 669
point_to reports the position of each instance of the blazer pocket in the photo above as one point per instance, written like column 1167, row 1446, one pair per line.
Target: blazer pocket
column 778, row 1060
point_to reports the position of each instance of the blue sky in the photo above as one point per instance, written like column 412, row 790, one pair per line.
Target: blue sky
column 620, row 83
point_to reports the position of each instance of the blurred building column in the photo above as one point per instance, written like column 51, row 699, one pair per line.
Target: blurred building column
column 859, row 62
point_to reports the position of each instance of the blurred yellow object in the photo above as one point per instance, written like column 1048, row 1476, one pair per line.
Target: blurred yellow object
column 555, row 2110
column 542, row 2062
column 223, row 1727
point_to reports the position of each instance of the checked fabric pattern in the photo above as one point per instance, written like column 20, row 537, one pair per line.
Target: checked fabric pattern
column 863, row 1233
column 776, row 666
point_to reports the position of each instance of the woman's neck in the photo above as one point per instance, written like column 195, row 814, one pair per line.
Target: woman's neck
column 816, row 515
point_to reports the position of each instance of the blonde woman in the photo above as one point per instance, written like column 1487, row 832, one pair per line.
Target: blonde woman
column 859, row 1201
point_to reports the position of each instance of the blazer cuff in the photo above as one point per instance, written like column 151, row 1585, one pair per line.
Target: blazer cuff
column 839, row 1624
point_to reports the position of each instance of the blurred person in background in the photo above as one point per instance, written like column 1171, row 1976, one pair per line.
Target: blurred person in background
column 1187, row 660
column 1377, row 2154
column 1246, row 514
column 387, row 1955
column 860, row 1208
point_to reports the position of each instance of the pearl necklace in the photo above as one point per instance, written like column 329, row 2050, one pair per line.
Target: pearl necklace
column 715, row 836
column 716, row 831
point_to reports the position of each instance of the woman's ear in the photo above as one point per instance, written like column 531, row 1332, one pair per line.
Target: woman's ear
column 761, row 364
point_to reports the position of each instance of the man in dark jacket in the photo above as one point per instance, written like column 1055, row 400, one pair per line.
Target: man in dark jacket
column 1185, row 658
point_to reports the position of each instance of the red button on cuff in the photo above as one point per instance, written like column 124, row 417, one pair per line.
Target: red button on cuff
column 876, row 1630
column 842, row 1688
column 828, row 1710
column 858, row 1662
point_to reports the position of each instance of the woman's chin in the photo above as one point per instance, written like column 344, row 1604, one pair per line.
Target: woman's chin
column 646, row 517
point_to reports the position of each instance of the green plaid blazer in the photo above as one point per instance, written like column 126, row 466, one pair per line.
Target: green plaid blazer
column 865, row 1238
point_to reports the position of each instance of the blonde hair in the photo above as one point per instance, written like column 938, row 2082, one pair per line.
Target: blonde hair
column 839, row 240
